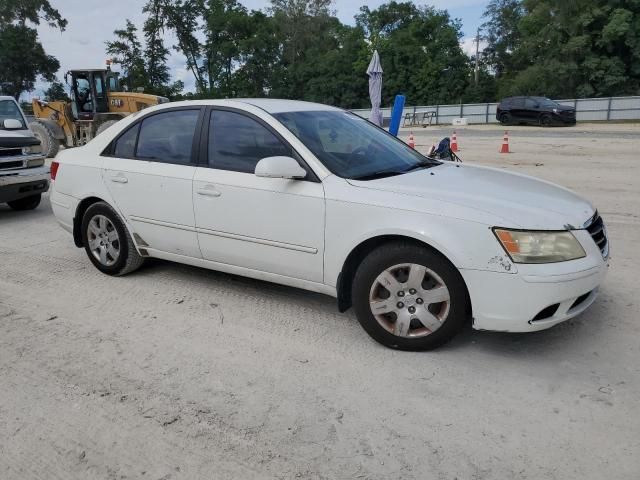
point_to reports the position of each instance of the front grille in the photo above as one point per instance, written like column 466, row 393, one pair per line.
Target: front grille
column 597, row 230
column 9, row 165
column 10, row 152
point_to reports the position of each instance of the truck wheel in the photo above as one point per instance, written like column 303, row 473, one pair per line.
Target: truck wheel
column 103, row 126
column 409, row 297
column 48, row 142
column 27, row 203
column 107, row 241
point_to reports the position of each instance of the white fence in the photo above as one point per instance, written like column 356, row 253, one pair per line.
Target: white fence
column 587, row 109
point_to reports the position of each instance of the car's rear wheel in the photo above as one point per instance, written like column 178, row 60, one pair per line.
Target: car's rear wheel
column 27, row 203
column 505, row 118
column 409, row 297
column 107, row 241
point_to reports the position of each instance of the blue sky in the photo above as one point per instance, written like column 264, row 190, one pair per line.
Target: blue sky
column 91, row 24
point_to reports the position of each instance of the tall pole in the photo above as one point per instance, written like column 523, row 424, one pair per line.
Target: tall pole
column 476, row 71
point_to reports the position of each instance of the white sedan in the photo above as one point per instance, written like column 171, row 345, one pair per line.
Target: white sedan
column 317, row 198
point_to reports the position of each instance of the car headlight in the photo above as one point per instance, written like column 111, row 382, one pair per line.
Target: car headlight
column 539, row 247
column 555, row 110
column 26, row 150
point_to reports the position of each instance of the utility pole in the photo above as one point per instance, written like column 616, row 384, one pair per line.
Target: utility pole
column 476, row 71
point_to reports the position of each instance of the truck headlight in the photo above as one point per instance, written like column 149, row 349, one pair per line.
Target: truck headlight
column 26, row 150
column 540, row 246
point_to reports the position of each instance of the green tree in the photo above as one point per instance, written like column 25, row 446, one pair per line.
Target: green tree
column 126, row 51
column 155, row 52
column 56, row 91
column 561, row 49
column 23, row 59
column 259, row 65
column 23, row 11
column 419, row 50
column 502, row 34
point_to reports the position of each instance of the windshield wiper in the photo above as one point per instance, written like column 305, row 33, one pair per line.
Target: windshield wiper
column 380, row 174
column 422, row 164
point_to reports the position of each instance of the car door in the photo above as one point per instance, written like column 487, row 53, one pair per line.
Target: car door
column 271, row 225
column 150, row 176
column 531, row 110
column 517, row 109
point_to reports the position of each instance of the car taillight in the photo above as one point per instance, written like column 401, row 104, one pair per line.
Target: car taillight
column 54, row 170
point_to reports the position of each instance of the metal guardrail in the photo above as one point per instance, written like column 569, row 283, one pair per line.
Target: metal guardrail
column 587, row 109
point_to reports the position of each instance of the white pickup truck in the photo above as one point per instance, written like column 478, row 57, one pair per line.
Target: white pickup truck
column 24, row 177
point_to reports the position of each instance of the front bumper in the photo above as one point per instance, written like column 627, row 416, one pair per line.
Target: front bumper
column 513, row 303
column 17, row 184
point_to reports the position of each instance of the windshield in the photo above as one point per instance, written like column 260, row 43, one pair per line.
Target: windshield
column 9, row 109
column 350, row 146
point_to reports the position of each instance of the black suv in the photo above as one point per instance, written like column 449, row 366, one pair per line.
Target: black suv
column 535, row 110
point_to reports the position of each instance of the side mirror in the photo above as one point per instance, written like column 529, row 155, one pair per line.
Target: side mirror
column 279, row 167
column 12, row 124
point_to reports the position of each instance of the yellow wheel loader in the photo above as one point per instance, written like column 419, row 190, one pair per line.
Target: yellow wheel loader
column 96, row 104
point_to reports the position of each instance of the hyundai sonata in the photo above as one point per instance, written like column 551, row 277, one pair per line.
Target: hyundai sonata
column 318, row 198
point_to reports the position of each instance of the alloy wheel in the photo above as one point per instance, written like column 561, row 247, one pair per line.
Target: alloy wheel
column 104, row 241
column 409, row 300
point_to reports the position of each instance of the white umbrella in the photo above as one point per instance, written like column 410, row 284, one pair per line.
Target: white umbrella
column 375, row 88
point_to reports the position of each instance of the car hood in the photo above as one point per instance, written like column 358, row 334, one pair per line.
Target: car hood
column 17, row 138
column 520, row 200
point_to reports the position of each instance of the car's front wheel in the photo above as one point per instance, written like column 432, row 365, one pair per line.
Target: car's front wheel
column 409, row 297
column 107, row 241
column 546, row 120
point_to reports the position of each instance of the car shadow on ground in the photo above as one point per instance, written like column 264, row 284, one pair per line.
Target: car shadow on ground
column 553, row 340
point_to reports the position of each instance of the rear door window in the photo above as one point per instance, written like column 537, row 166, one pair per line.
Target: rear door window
column 168, row 136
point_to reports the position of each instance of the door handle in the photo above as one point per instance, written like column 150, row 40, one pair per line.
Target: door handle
column 209, row 191
column 120, row 178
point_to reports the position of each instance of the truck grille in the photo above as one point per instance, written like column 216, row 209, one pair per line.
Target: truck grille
column 597, row 230
column 10, row 152
column 10, row 165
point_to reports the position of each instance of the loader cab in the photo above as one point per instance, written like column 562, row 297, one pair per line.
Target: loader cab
column 88, row 92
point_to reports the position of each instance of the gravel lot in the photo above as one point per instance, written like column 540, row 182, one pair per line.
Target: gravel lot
column 180, row 373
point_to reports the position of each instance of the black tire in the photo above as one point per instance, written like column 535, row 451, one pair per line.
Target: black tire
column 389, row 255
column 26, row 203
column 546, row 120
column 49, row 144
column 103, row 126
column 505, row 118
column 128, row 259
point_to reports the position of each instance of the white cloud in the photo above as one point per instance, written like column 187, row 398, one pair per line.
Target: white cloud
column 468, row 45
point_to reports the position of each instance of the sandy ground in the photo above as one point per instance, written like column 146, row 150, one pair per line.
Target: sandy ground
column 181, row 373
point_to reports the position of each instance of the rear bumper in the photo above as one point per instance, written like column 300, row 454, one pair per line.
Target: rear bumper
column 17, row 184
column 527, row 303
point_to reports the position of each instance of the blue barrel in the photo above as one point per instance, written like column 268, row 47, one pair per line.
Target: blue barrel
column 396, row 115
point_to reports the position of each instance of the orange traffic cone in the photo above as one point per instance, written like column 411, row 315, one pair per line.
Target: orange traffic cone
column 505, row 143
column 454, row 142
column 412, row 142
